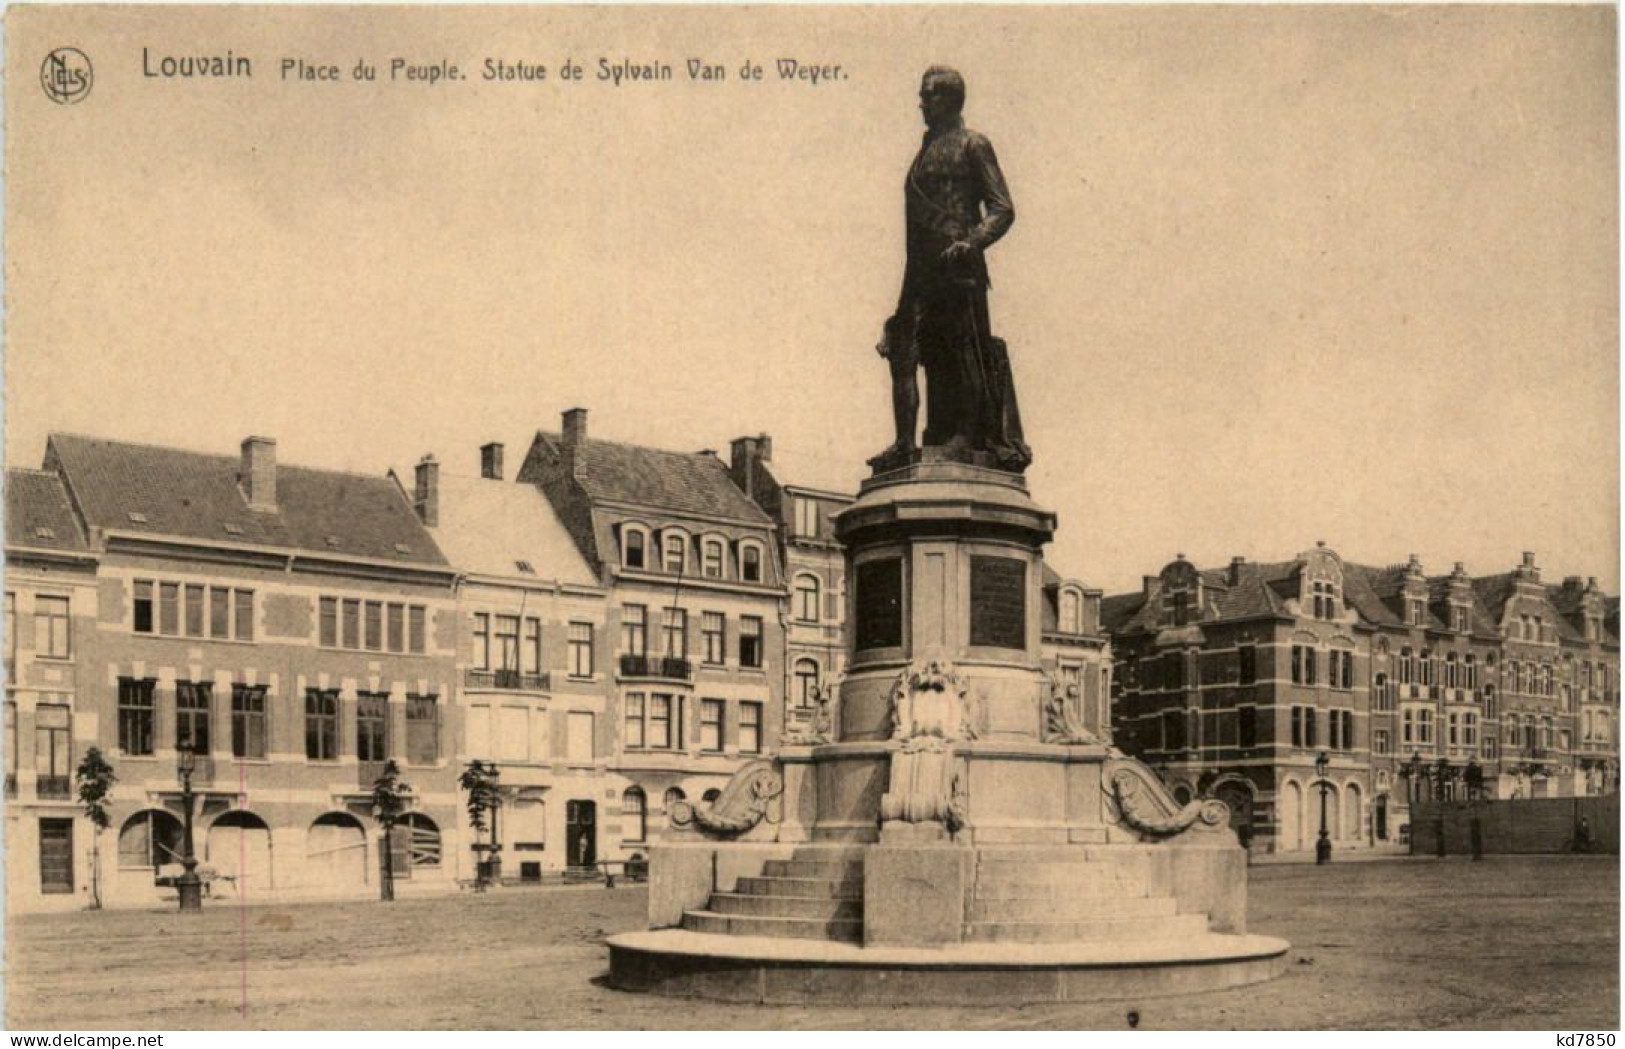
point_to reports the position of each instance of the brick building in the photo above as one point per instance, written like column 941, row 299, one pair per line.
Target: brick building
column 294, row 627
column 1232, row 681
column 695, row 646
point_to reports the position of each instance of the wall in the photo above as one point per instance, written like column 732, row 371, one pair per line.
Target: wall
column 1513, row 826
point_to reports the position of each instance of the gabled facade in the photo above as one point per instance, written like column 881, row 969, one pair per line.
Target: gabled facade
column 1232, row 681
column 533, row 686
column 294, row 628
column 695, row 645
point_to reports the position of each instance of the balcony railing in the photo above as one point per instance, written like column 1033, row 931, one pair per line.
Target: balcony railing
column 668, row 667
column 59, row 787
column 508, row 679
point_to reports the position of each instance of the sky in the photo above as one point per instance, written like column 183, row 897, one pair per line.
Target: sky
column 1278, row 275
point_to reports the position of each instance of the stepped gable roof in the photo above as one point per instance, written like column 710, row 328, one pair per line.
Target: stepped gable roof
column 38, row 513
column 489, row 527
column 687, row 482
column 177, row 494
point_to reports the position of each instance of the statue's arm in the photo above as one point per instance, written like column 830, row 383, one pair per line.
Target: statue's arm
column 999, row 213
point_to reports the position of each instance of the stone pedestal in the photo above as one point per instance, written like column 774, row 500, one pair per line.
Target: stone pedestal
column 914, row 895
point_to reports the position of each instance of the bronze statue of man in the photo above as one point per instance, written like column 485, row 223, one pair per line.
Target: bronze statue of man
column 956, row 206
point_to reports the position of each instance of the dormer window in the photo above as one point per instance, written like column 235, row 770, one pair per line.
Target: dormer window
column 674, row 552
column 1460, row 618
column 711, row 562
column 633, row 548
column 1324, row 600
column 1071, row 613
column 1418, row 612
column 750, row 563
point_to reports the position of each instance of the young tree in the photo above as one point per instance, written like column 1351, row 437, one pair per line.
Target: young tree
column 479, row 781
column 389, row 798
column 95, row 779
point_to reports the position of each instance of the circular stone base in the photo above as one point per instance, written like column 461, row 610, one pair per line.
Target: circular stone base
column 810, row 972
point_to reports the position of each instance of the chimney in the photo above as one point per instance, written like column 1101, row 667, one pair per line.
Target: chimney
column 491, row 461
column 426, row 493
column 1528, row 569
column 257, row 474
column 573, row 435
column 745, row 454
column 1529, row 559
column 1149, row 584
column 1236, row 564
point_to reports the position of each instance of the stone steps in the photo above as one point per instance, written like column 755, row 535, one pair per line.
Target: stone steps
column 825, row 907
column 1168, row 927
column 849, row 930
column 835, row 870
column 1076, row 908
column 1101, row 889
column 830, row 888
column 1069, row 870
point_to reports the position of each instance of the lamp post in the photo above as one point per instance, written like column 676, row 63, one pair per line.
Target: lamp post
column 1323, row 847
column 1441, row 777
column 1475, row 791
column 188, row 884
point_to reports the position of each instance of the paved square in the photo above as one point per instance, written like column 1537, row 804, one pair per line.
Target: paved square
column 1512, row 942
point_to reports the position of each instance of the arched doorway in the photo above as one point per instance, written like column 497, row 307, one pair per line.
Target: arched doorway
column 1289, row 820
column 1334, row 813
column 1379, row 817
column 420, row 837
column 150, row 839
column 336, row 852
column 1353, row 825
column 240, row 848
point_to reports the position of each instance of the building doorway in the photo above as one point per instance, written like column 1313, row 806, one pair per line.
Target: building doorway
column 581, row 833
column 1379, row 817
column 56, row 856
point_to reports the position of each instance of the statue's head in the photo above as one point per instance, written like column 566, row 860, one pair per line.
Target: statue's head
column 942, row 95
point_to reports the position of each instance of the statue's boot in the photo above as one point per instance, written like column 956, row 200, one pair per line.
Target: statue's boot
column 896, row 454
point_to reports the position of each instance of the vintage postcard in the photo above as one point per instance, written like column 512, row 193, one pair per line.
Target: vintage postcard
column 867, row 517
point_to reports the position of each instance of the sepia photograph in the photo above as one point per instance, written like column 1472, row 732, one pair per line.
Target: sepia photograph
column 875, row 517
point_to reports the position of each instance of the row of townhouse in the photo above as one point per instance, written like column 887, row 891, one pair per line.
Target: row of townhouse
column 1233, row 681
column 614, row 628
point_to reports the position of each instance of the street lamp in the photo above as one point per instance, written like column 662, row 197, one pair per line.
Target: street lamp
column 1475, row 791
column 1323, row 847
column 1441, row 781
column 189, row 884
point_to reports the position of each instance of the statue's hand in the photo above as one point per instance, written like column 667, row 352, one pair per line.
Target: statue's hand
column 957, row 250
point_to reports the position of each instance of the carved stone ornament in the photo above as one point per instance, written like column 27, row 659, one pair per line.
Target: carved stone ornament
column 822, row 729
column 931, row 707
column 1144, row 804
column 1063, row 721
column 748, row 799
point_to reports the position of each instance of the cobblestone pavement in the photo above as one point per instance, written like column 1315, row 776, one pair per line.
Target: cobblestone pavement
column 1509, row 943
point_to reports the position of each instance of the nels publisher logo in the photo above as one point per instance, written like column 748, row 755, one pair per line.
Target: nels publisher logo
column 66, row 76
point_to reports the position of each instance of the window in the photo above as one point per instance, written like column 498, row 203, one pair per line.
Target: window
column 1303, row 665
column 806, row 673
column 1459, row 618
column 1303, row 726
column 192, row 699
column 150, row 838
column 219, row 612
column 1325, row 600
column 634, row 714
column 1490, row 751
column 634, row 630
column 422, row 730
column 396, row 627
column 1379, row 741
column 580, row 644
column 674, row 552
column 169, row 609
column 806, row 518
column 1247, row 726
column 674, row 633
column 416, row 624
column 750, row 728
column 530, row 648
column 248, row 722
column 711, row 725
column 352, row 623
column 632, row 552
column 321, row 725
column 372, row 726
column 194, row 610
column 711, row 562
column 1070, row 617
column 243, row 600
column 482, row 641
column 329, row 635
column 51, row 627
column 1173, row 730
column 135, row 715
column 1548, row 683
column 635, row 814
column 1514, row 733
column 807, row 598
column 1548, row 733
column 1247, row 664
column 750, row 563
column 1340, row 668
column 52, row 736
column 11, row 747
column 373, row 621
column 11, row 636
column 1469, row 730
column 659, row 725
column 507, row 642
column 1489, row 701
column 673, row 796
column 750, row 641
column 1418, row 612
column 712, row 633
